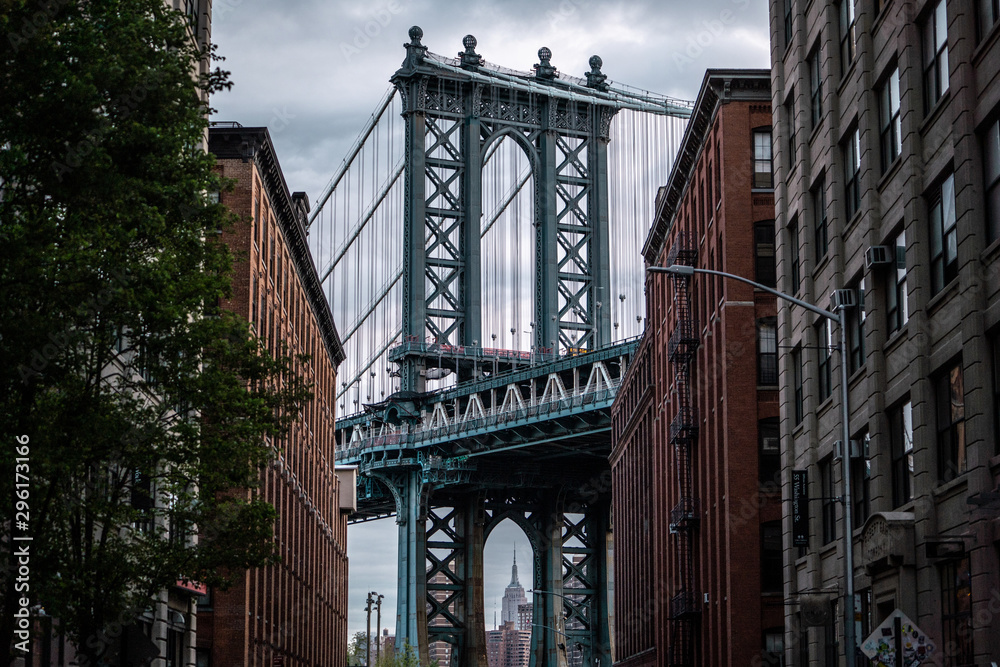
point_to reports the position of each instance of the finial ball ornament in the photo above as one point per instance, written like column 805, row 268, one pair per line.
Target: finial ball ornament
column 596, row 62
column 469, row 42
column 416, row 34
column 544, row 54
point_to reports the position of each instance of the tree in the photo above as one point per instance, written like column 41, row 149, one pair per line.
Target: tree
column 357, row 652
column 142, row 409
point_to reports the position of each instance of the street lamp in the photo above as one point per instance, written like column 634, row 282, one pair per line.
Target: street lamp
column 378, row 627
column 840, row 317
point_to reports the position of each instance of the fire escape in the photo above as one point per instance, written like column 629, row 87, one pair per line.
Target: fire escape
column 685, row 605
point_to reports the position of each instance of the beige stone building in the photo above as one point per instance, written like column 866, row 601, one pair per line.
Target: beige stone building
column 887, row 163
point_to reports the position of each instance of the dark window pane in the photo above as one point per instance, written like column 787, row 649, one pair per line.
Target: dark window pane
column 766, row 271
column 771, row 579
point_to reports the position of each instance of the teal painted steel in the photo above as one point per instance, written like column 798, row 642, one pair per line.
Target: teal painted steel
column 529, row 443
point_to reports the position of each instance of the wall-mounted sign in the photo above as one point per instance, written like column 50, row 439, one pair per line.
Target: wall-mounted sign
column 800, row 509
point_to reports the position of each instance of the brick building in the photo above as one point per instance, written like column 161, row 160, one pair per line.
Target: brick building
column 695, row 453
column 887, row 156
column 293, row 613
column 508, row 646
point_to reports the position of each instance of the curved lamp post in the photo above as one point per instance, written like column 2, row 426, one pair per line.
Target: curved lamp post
column 840, row 318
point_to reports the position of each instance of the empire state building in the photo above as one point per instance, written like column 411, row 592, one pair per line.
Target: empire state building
column 513, row 596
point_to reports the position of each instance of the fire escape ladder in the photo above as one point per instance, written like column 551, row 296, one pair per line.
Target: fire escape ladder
column 685, row 604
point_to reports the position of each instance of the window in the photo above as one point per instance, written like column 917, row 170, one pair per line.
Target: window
column 191, row 12
column 256, row 220
column 856, row 329
column 996, row 394
column 991, row 171
column 831, row 646
column 989, row 12
column 175, row 647
column 763, row 236
column 944, row 236
column 793, row 251
column 819, row 213
column 771, row 576
column 865, row 608
column 852, row 169
column 763, row 174
column 824, row 342
column 847, row 37
column 774, row 647
column 935, row 44
column 815, row 89
column 950, row 394
column 708, row 182
column 788, row 23
column 956, row 613
column 861, row 473
column 204, row 600
column 828, row 500
column 798, row 403
column 901, row 450
column 142, row 501
column 803, row 638
column 790, row 124
column 890, row 130
column 767, row 351
column 769, row 468
column 897, row 313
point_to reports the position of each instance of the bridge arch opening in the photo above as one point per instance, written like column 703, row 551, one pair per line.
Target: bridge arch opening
column 508, row 244
column 508, row 575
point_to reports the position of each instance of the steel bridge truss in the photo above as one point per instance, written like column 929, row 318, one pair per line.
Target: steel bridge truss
column 454, row 113
column 528, row 445
column 528, row 441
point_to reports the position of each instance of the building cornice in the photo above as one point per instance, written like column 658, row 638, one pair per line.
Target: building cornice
column 720, row 86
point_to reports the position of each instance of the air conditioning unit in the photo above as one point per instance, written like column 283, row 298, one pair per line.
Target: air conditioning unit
column 843, row 298
column 858, row 449
column 879, row 255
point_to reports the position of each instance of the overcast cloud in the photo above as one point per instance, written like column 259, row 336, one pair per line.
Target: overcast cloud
column 313, row 71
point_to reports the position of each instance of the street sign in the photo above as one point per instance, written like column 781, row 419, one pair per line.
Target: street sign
column 800, row 509
column 898, row 635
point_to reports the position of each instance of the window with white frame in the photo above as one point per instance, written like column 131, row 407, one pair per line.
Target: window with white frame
column 935, row 48
column 890, row 132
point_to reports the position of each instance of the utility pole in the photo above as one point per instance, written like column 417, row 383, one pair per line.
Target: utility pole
column 378, row 627
column 368, row 649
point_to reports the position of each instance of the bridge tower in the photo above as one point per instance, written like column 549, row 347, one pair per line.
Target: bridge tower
column 530, row 445
column 455, row 110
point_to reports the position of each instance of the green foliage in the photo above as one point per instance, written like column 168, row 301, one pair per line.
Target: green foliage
column 357, row 650
column 146, row 405
column 408, row 658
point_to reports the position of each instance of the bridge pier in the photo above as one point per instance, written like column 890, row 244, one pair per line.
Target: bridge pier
column 411, row 585
column 548, row 637
column 455, row 579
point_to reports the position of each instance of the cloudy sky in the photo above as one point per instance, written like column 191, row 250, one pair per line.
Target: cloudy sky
column 313, row 71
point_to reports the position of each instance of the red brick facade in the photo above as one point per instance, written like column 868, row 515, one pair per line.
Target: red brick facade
column 293, row 613
column 710, row 199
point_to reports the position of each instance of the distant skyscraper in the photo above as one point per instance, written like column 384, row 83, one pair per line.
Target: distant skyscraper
column 508, row 646
column 513, row 596
column 524, row 615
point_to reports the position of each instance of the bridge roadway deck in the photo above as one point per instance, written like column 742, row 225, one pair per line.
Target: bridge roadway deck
column 548, row 424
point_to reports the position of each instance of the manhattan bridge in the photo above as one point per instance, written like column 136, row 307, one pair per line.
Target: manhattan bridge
column 480, row 247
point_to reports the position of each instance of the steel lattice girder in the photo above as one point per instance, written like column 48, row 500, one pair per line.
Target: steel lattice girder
column 565, row 140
